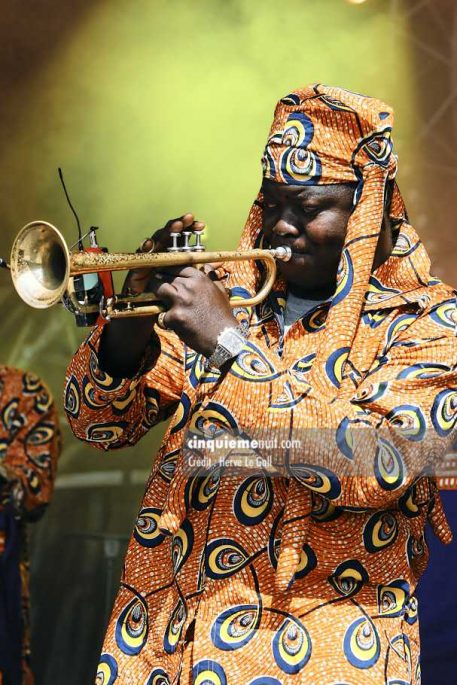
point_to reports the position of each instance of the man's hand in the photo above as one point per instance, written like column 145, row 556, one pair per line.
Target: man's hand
column 160, row 241
column 197, row 305
column 197, row 308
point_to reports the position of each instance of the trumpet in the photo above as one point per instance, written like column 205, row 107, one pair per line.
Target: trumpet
column 44, row 271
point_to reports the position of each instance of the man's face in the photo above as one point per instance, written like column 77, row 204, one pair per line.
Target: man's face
column 312, row 221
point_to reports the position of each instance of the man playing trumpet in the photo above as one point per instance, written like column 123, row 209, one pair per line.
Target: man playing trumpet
column 306, row 574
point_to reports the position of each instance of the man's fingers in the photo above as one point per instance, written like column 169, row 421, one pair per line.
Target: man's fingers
column 161, row 240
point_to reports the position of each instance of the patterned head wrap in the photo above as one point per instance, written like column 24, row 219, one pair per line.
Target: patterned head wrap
column 322, row 135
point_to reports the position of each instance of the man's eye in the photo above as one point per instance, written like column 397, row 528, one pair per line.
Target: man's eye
column 270, row 205
column 310, row 211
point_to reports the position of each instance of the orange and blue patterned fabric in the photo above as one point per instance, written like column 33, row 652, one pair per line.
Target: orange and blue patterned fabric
column 29, row 447
column 309, row 575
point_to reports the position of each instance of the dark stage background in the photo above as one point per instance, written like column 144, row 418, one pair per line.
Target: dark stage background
column 154, row 108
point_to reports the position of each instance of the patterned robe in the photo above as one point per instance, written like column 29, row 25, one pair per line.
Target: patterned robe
column 202, row 605
column 304, row 573
column 29, row 448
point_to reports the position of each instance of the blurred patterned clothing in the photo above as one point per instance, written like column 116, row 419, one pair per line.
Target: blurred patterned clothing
column 29, row 448
column 308, row 575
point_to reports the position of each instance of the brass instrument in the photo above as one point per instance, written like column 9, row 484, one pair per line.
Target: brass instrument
column 43, row 270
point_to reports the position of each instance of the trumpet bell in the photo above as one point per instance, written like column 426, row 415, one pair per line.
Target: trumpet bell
column 40, row 264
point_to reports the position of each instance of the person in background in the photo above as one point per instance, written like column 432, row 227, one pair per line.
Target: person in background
column 30, row 443
column 309, row 575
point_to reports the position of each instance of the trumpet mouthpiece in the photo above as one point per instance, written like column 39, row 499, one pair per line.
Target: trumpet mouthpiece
column 283, row 253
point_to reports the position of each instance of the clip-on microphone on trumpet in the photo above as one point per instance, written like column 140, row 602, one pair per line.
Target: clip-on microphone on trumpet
column 89, row 288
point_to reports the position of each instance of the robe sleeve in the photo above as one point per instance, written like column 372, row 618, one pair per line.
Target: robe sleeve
column 111, row 413
column 32, row 444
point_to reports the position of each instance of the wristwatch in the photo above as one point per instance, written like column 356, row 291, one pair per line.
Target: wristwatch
column 229, row 344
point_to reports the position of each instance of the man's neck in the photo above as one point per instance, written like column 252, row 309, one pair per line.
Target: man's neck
column 318, row 294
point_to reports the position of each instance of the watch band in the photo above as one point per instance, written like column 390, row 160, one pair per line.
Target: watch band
column 229, row 344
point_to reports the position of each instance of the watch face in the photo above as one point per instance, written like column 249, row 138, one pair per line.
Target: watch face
column 229, row 344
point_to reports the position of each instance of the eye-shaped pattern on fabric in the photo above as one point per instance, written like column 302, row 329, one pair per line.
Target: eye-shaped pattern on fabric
column 377, row 292
column 236, row 626
column 344, row 277
column 314, row 320
column 105, row 432
column 389, row 468
column 90, row 398
column 380, row 531
column 335, row 364
column 211, row 419
column 361, row 643
column 444, row 412
column 204, row 488
column 182, row 413
column 291, row 646
column 12, row 419
column 72, row 397
column 317, row 478
column 107, row 670
column 132, row 627
column 344, row 437
column 33, row 481
column 404, row 246
column 398, row 326
column 407, row 503
column 375, row 149
column 323, row 510
column 146, row 531
column 375, row 319
column 415, row 549
column 181, row 545
column 409, row 421
column 168, row 465
column 302, row 367
column 224, row 557
column 253, row 500
column 208, row 672
column 31, row 383
column 335, row 104
column 101, row 379
column 392, row 598
column 412, row 611
column 152, row 405
column 174, row 628
column 371, row 393
column 286, row 399
column 306, row 563
column 199, row 373
column 348, row 578
column 158, row 677
column 299, row 166
column 445, row 314
column 402, row 647
column 253, row 366
column 423, row 370
column 39, row 435
column 43, row 402
column 292, row 99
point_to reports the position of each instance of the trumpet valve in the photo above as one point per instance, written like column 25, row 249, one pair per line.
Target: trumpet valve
column 198, row 247
column 186, row 235
column 175, row 247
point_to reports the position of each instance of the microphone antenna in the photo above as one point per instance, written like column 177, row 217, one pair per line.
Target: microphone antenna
column 80, row 238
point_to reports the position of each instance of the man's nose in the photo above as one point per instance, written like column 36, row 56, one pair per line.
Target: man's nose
column 286, row 226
